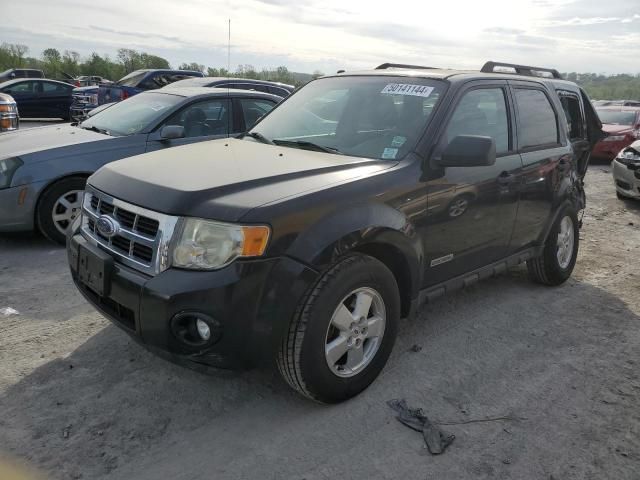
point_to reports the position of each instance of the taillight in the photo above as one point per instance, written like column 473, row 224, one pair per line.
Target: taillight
column 124, row 95
column 77, row 83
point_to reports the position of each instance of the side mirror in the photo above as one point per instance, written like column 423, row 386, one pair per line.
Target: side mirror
column 170, row 132
column 469, row 151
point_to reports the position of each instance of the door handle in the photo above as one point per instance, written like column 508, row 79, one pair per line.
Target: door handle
column 506, row 178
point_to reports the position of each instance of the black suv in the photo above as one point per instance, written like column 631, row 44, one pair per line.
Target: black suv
column 359, row 197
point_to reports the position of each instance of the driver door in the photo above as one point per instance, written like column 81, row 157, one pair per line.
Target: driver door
column 471, row 211
column 204, row 120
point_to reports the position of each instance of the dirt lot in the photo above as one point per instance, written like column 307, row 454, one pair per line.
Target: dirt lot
column 79, row 399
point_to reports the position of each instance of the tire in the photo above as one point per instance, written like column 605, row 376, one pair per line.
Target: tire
column 303, row 360
column 63, row 196
column 555, row 265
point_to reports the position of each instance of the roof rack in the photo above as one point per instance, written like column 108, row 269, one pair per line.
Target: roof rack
column 529, row 71
column 384, row 66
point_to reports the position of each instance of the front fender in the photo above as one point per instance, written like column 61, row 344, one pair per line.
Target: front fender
column 358, row 228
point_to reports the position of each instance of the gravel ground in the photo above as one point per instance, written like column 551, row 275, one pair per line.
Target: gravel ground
column 79, row 399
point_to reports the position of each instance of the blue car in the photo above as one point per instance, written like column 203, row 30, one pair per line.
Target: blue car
column 43, row 170
column 39, row 97
column 85, row 99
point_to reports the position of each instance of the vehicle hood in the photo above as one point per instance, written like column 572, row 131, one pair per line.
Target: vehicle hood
column 86, row 90
column 34, row 144
column 615, row 129
column 224, row 179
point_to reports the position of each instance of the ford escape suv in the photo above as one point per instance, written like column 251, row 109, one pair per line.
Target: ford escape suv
column 359, row 197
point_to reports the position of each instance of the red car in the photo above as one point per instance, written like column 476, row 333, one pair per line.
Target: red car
column 622, row 125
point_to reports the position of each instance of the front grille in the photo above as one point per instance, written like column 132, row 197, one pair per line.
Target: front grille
column 82, row 99
column 141, row 237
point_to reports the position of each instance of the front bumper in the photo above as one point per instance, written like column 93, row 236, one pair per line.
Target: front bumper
column 626, row 178
column 18, row 205
column 253, row 302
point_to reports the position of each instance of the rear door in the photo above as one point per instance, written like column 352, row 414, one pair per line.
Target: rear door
column 202, row 120
column 55, row 99
column 471, row 210
column 546, row 157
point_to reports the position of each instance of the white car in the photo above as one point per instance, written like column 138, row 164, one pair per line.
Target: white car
column 626, row 171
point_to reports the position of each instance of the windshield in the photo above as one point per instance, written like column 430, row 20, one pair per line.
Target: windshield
column 133, row 115
column 613, row 117
column 364, row 116
column 132, row 79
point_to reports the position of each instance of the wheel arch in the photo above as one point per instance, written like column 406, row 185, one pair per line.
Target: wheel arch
column 377, row 230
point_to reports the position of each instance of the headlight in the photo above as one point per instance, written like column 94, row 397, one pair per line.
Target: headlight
column 8, row 167
column 628, row 155
column 614, row 138
column 207, row 245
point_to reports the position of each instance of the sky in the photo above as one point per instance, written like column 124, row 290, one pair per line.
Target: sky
column 327, row 35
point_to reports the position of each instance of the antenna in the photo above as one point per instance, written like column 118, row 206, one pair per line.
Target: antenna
column 228, row 80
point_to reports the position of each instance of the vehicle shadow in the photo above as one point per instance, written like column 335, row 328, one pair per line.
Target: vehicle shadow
column 111, row 409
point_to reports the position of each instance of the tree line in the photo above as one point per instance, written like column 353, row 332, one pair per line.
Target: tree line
column 55, row 64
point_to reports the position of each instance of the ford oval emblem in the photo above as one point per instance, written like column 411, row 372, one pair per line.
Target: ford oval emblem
column 107, row 226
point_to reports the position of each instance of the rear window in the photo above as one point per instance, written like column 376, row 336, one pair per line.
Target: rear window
column 613, row 117
column 537, row 123
column 132, row 79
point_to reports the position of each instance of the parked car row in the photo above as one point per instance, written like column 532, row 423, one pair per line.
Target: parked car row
column 39, row 97
column 43, row 170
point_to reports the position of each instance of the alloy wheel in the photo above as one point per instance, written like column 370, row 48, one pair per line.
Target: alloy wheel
column 65, row 210
column 355, row 332
column 565, row 242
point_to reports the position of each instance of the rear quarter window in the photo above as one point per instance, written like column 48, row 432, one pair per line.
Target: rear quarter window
column 537, row 121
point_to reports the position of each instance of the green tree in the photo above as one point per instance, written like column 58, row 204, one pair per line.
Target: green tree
column 193, row 66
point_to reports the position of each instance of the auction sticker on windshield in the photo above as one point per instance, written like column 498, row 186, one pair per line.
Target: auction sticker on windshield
column 408, row 89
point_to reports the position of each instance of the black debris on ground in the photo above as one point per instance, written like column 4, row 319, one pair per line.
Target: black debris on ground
column 437, row 440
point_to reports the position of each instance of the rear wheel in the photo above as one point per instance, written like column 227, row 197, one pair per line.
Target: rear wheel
column 558, row 259
column 59, row 206
column 343, row 332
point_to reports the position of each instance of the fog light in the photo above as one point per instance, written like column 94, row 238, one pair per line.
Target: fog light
column 195, row 329
column 203, row 330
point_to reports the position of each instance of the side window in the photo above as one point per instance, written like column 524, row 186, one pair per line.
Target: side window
column 253, row 109
column 22, row 87
column 153, row 81
column 537, row 123
column 49, row 88
column 575, row 118
column 482, row 112
column 210, row 117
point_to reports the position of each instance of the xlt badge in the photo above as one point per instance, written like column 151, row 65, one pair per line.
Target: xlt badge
column 441, row 260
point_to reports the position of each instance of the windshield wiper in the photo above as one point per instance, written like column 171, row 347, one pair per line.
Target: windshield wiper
column 258, row 136
column 307, row 146
column 93, row 128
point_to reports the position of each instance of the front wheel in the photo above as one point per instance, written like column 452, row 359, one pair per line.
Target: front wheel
column 59, row 206
column 558, row 259
column 342, row 333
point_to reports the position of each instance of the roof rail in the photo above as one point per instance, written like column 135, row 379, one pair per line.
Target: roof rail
column 489, row 67
column 384, row 66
